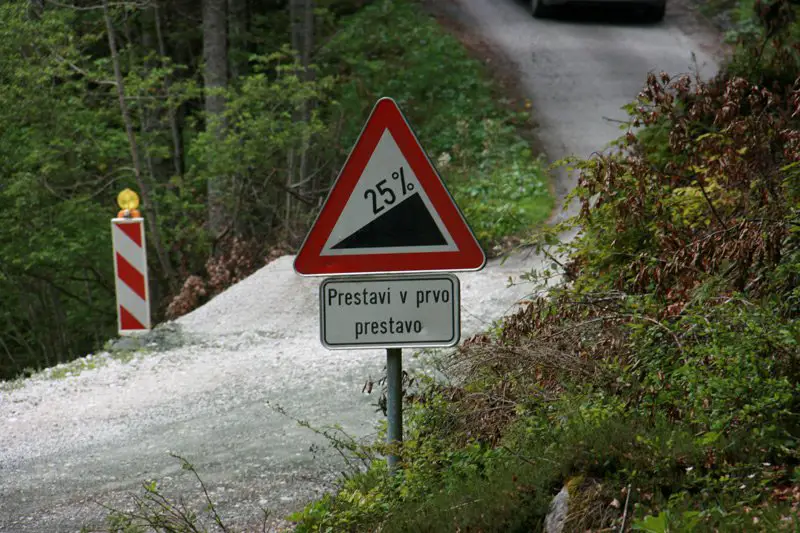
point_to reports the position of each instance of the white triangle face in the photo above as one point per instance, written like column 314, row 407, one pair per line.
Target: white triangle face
column 388, row 211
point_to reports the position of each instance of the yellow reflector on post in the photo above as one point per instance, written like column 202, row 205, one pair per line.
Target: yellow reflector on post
column 128, row 199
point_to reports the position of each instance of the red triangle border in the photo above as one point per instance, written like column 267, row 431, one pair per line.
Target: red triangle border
column 469, row 256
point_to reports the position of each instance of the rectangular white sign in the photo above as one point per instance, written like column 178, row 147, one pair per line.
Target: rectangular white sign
column 421, row 311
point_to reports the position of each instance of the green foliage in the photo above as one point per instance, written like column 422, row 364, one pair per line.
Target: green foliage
column 745, row 24
column 504, row 202
column 436, row 486
column 262, row 127
column 64, row 152
column 771, row 25
column 737, row 377
column 56, row 152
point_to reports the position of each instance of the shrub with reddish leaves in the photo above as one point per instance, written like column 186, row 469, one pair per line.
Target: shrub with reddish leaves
column 708, row 189
column 236, row 260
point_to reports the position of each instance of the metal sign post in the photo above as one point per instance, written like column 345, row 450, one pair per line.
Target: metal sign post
column 390, row 216
column 415, row 310
column 394, row 401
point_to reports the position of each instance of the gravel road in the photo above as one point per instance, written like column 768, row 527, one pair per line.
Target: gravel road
column 202, row 390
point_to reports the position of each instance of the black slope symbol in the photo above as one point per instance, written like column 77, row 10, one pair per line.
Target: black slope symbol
column 409, row 223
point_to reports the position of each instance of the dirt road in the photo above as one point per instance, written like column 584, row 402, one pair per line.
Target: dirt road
column 202, row 391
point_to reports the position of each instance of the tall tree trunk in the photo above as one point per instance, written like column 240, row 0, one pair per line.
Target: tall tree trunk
column 172, row 113
column 90, row 299
column 35, row 312
column 296, row 33
column 237, row 38
column 144, row 188
column 296, row 20
column 238, row 54
column 215, row 77
column 308, row 45
column 63, row 346
column 301, row 15
column 152, row 116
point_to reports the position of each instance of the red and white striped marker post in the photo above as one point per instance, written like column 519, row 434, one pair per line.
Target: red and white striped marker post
column 130, row 267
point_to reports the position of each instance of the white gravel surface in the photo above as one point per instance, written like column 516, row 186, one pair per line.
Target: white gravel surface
column 96, row 435
column 201, row 392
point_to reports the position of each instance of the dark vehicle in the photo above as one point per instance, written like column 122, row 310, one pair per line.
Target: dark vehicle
column 654, row 9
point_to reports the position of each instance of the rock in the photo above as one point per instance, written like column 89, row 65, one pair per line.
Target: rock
column 162, row 338
column 167, row 336
column 557, row 516
column 127, row 344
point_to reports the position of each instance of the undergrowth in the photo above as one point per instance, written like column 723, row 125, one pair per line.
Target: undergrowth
column 154, row 510
column 660, row 383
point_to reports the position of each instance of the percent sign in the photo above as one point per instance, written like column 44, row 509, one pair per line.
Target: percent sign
column 404, row 187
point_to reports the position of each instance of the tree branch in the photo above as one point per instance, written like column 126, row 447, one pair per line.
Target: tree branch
column 711, row 205
column 98, row 7
column 63, row 291
column 82, row 72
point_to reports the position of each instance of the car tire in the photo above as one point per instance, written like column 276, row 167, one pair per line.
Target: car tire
column 655, row 12
column 540, row 10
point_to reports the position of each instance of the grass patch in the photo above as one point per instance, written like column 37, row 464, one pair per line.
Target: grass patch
column 75, row 367
column 712, row 8
column 12, row 384
column 91, row 362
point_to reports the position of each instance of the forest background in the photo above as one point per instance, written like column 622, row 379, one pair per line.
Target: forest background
column 231, row 119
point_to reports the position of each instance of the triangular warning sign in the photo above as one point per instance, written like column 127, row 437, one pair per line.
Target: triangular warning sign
column 389, row 210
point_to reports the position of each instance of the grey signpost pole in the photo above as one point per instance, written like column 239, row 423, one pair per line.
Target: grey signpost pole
column 394, row 399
